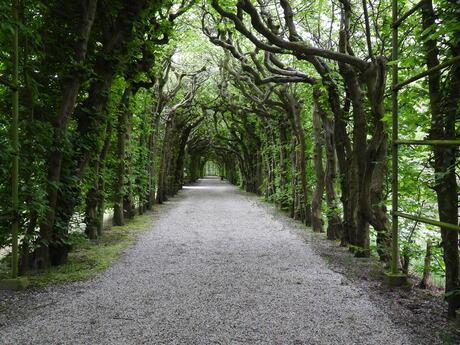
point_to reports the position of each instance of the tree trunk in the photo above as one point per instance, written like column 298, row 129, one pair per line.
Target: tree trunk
column 179, row 166
column 344, row 152
column 426, row 278
column 152, row 156
column 283, row 154
column 444, row 112
column 359, row 163
column 71, row 89
column 334, row 222
column 129, row 207
column 119, row 190
column 29, row 156
column 304, row 195
column 316, row 206
column 26, row 257
column 96, row 191
column 162, row 171
column 101, row 180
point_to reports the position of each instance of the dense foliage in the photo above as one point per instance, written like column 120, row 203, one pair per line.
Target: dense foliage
column 122, row 102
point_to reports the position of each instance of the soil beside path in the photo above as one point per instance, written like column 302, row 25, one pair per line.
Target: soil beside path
column 216, row 268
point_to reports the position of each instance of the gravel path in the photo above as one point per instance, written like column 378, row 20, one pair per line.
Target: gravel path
column 216, row 268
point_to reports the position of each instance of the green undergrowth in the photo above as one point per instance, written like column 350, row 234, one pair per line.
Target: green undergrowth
column 90, row 257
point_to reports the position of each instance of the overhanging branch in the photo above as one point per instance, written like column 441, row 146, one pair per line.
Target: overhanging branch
column 279, row 45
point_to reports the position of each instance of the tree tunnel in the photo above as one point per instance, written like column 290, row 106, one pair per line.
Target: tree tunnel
column 122, row 103
column 211, row 168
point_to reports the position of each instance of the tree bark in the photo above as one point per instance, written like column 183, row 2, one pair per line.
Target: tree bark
column 425, row 283
column 162, row 171
column 334, row 222
column 119, row 189
column 316, row 206
column 444, row 112
column 95, row 192
column 283, row 157
column 294, row 110
column 152, row 157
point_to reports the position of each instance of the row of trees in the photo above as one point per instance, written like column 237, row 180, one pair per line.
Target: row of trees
column 316, row 81
column 105, row 117
column 121, row 102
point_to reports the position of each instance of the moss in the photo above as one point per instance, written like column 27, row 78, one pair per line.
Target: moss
column 90, row 257
column 377, row 273
column 447, row 339
column 17, row 284
column 330, row 258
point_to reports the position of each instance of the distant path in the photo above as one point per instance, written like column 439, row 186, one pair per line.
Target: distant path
column 215, row 269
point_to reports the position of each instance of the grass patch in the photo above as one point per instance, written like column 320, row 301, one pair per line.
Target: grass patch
column 377, row 272
column 90, row 257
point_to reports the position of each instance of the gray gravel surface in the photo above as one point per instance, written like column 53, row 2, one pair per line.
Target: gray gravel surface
column 216, row 268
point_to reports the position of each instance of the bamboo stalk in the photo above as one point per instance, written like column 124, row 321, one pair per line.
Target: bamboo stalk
column 394, row 154
column 406, row 15
column 428, row 142
column 427, row 220
column 15, row 147
column 426, row 73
